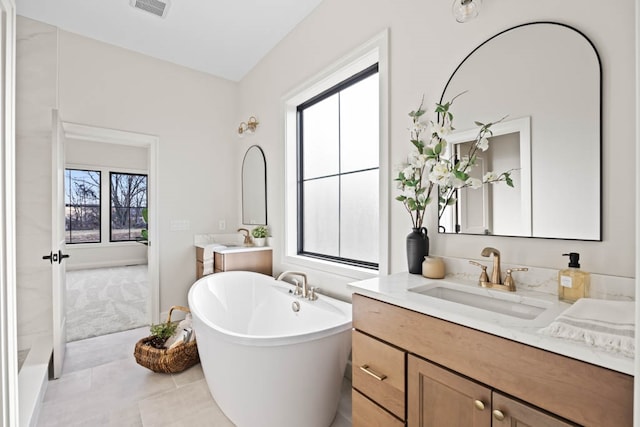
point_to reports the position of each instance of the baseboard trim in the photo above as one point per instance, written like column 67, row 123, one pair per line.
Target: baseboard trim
column 106, row 264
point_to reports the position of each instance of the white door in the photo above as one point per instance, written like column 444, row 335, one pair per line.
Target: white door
column 475, row 205
column 58, row 252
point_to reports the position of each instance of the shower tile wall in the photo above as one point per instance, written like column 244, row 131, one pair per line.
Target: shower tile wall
column 36, row 96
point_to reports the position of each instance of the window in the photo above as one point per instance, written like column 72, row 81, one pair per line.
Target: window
column 338, row 172
column 82, row 206
column 128, row 194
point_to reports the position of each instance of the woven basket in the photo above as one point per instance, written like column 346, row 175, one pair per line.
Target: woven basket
column 164, row 360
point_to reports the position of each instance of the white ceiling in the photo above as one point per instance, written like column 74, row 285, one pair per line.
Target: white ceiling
column 225, row 38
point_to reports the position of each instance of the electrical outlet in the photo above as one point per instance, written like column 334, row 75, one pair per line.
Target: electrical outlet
column 222, row 224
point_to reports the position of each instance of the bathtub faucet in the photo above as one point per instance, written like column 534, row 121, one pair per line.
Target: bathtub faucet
column 305, row 288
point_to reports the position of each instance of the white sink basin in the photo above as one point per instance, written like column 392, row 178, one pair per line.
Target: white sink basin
column 501, row 302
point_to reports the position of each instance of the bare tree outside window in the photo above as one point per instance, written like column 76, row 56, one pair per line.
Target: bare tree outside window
column 128, row 199
column 82, row 206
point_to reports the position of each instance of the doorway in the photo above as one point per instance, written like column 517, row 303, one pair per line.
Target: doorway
column 107, row 286
column 123, row 145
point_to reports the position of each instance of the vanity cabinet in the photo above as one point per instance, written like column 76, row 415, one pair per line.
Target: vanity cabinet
column 199, row 262
column 438, row 397
column 448, row 367
column 258, row 260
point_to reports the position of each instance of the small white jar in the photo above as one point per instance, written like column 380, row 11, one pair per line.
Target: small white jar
column 433, row 267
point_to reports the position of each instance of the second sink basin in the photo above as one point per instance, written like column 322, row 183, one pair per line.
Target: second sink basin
column 491, row 300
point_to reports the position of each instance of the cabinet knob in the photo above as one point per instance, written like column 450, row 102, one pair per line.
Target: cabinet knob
column 479, row 405
column 498, row 415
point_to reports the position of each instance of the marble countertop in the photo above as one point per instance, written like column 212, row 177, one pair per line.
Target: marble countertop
column 396, row 289
column 232, row 249
column 229, row 248
column 224, row 243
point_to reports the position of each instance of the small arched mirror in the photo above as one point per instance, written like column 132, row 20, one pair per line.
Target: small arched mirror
column 254, row 187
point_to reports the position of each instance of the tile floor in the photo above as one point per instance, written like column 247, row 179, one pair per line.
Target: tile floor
column 101, row 385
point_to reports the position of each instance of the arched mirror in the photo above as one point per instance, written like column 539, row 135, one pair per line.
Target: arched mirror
column 546, row 77
column 254, row 187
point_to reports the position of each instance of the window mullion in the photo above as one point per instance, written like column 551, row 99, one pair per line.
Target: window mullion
column 339, row 177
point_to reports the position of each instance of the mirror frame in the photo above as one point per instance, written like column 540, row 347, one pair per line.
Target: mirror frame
column 264, row 160
column 600, row 151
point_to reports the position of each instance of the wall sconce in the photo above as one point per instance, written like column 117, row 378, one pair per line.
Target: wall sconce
column 465, row 10
column 248, row 127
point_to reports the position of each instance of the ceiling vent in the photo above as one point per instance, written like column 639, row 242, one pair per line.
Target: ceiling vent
column 157, row 7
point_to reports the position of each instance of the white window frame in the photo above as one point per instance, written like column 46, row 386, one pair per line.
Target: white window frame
column 375, row 50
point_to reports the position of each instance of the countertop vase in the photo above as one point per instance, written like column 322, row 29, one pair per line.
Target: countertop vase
column 417, row 249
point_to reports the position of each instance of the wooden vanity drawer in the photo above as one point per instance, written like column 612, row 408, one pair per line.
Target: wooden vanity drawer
column 368, row 414
column 379, row 372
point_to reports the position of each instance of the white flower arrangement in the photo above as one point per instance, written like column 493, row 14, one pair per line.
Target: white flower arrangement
column 428, row 165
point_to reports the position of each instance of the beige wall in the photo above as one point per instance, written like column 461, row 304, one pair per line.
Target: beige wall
column 426, row 44
column 192, row 113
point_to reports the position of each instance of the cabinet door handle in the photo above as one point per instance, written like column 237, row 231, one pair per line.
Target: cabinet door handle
column 367, row 370
column 498, row 415
column 479, row 405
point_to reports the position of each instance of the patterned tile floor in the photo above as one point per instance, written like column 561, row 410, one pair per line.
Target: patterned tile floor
column 102, row 385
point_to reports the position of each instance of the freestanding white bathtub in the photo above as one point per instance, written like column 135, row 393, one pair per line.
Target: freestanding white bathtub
column 265, row 364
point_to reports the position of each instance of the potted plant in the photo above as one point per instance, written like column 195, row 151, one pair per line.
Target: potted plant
column 259, row 235
column 161, row 333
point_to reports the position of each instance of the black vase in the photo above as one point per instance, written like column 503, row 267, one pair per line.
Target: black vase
column 417, row 249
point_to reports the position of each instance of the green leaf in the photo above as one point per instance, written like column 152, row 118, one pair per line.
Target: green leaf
column 163, row 330
column 438, row 148
column 451, row 201
column 479, row 123
column 508, row 179
column 401, row 198
column 461, row 175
